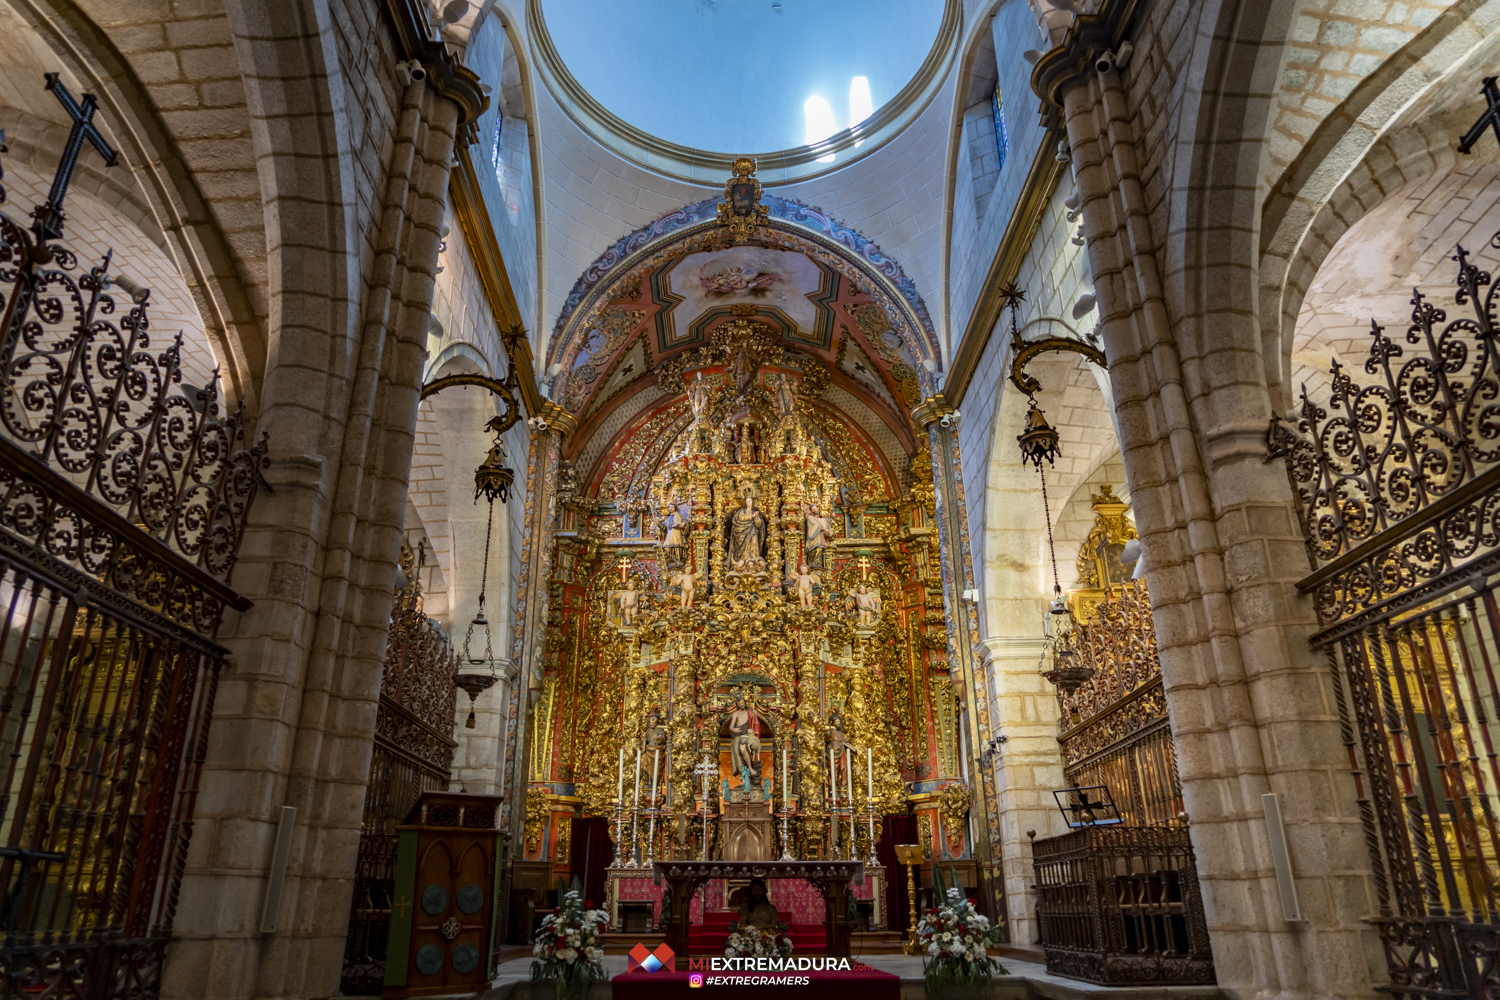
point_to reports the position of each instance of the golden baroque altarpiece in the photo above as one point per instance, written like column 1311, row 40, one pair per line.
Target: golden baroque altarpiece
column 745, row 549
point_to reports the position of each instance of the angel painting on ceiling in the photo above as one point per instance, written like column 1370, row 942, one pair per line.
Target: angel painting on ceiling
column 718, row 279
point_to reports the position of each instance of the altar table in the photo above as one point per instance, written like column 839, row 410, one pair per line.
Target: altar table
column 831, row 878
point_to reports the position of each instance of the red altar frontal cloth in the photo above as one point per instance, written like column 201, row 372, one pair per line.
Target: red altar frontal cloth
column 863, row 983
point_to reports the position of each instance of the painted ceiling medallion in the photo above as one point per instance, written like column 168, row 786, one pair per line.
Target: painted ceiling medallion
column 742, row 211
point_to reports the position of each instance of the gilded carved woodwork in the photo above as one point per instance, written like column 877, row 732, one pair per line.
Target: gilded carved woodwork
column 649, row 525
column 953, row 806
column 536, row 822
column 1113, row 728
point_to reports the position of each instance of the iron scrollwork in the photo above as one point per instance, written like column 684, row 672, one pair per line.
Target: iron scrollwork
column 1421, row 435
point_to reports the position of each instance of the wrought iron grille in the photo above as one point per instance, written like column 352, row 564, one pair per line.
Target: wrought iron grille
column 1120, row 905
column 123, row 496
column 1395, row 475
column 1396, row 479
column 413, row 754
column 1114, row 727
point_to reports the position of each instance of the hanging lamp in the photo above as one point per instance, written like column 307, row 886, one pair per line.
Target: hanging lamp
column 1040, row 442
column 492, row 480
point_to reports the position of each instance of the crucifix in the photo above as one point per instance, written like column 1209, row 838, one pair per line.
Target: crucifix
column 624, row 565
column 1490, row 118
column 863, row 562
column 705, row 769
column 49, row 217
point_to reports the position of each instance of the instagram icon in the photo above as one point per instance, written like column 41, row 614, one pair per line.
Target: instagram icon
column 695, row 980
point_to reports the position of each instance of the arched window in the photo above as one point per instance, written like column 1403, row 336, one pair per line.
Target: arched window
column 1002, row 140
column 497, row 155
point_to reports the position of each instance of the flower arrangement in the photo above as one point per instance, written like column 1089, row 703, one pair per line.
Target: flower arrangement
column 957, row 937
column 568, row 949
column 754, row 942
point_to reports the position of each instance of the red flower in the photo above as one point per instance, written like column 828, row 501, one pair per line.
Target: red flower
column 588, row 904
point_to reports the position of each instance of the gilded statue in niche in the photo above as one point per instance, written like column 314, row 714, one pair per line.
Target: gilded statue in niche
column 867, row 604
column 656, row 733
column 629, row 602
column 747, row 539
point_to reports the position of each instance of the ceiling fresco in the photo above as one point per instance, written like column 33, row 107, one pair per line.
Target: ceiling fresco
column 841, row 314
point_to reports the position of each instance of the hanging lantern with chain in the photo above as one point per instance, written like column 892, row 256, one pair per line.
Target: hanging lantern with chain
column 492, row 480
column 1040, row 441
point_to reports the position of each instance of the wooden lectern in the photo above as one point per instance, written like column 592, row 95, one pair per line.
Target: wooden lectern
column 449, row 858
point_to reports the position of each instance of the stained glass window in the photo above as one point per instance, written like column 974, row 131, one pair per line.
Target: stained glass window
column 495, row 152
column 997, row 106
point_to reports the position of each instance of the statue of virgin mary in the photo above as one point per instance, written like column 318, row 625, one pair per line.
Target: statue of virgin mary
column 747, row 539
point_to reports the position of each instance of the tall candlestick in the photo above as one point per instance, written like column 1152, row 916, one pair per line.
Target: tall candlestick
column 651, row 804
column 620, row 806
column 635, row 812
column 833, row 806
column 870, row 799
column 849, row 778
column 786, row 804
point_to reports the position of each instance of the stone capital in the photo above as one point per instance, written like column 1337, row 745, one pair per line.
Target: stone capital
column 931, row 409
column 554, row 418
column 1014, row 647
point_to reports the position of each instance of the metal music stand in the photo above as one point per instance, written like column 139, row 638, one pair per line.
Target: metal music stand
column 1089, row 805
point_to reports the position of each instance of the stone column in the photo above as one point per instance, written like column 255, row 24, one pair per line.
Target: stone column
column 965, row 651
column 1252, row 710
column 1027, row 767
column 295, row 716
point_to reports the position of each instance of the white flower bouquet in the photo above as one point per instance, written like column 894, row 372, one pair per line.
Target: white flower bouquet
column 753, row 942
column 957, row 939
column 568, row 948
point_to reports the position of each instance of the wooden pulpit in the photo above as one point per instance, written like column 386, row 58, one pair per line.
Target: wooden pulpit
column 444, row 916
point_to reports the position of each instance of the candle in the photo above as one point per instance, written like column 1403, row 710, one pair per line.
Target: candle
column 651, row 827
column 833, row 782
column 635, row 812
column 637, row 779
column 849, row 775
column 620, row 785
column 786, row 789
column 849, row 778
column 870, row 774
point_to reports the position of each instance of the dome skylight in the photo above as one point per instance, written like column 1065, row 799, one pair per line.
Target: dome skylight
column 737, row 77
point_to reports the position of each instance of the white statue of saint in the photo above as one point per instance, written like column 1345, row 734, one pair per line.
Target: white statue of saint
column 806, row 581
column 868, row 603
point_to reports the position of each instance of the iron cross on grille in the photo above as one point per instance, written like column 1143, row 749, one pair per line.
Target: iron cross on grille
column 49, row 217
column 1490, row 118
